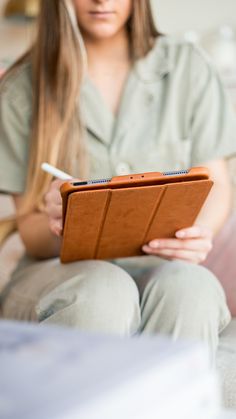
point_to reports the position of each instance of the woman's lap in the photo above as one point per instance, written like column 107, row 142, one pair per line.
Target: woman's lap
column 38, row 289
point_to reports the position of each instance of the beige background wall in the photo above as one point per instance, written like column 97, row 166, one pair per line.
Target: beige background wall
column 173, row 16
column 180, row 15
column 2, row 4
column 15, row 36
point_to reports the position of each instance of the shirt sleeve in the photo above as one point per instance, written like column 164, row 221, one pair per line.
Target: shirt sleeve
column 213, row 119
column 15, row 129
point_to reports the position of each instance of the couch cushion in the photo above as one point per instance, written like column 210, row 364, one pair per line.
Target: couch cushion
column 226, row 364
column 10, row 254
column 222, row 261
column 12, row 249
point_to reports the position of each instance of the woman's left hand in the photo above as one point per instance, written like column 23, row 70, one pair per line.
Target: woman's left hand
column 191, row 244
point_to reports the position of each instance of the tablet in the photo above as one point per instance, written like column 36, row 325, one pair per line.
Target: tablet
column 113, row 218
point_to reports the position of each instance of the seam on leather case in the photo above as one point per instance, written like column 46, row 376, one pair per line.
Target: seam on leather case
column 106, row 206
column 159, row 201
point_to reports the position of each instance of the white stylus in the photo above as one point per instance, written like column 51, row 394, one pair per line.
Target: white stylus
column 55, row 172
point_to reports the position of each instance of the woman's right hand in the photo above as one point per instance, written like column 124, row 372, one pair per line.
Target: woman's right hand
column 53, row 207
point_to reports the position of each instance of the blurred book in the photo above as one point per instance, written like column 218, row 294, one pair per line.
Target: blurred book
column 27, row 8
column 56, row 373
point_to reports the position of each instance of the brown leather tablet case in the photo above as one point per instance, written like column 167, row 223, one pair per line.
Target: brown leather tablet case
column 112, row 218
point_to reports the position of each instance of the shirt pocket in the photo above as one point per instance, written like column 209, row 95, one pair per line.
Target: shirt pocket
column 173, row 155
column 180, row 152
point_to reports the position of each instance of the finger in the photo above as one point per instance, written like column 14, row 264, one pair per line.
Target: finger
column 193, row 244
column 56, row 184
column 56, row 227
column 189, row 256
column 53, row 196
column 194, row 232
column 54, row 211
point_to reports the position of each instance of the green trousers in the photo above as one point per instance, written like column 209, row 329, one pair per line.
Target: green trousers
column 123, row 297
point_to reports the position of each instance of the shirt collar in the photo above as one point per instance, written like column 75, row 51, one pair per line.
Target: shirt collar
column 157, row 63
column 98, row 119
column 144, row 75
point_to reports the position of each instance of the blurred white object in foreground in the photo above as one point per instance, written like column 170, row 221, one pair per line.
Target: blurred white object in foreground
column 57, row 373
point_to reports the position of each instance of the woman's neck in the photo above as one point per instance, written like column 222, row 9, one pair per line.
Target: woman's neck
column 109, row 63
column 114, row 50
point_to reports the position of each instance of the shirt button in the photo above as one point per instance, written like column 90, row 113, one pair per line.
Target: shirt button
column 122, row 168
column 149, row 99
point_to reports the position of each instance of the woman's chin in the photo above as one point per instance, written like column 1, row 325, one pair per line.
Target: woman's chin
column 104, row 32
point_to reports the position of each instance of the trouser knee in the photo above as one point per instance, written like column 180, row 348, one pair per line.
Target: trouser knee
column 185, row 299
column 101, row 297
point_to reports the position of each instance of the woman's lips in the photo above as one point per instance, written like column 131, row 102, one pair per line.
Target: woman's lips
column 101, row 15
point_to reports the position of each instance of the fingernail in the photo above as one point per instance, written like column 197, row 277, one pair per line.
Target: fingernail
column 180, row 234
column 155, row 244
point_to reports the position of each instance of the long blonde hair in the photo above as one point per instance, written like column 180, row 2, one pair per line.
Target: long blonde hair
column 58, row 62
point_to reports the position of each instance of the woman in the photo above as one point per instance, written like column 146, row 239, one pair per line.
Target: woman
column 103, row 93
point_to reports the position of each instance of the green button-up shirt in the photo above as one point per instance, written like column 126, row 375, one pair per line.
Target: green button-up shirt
column 173, row 114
